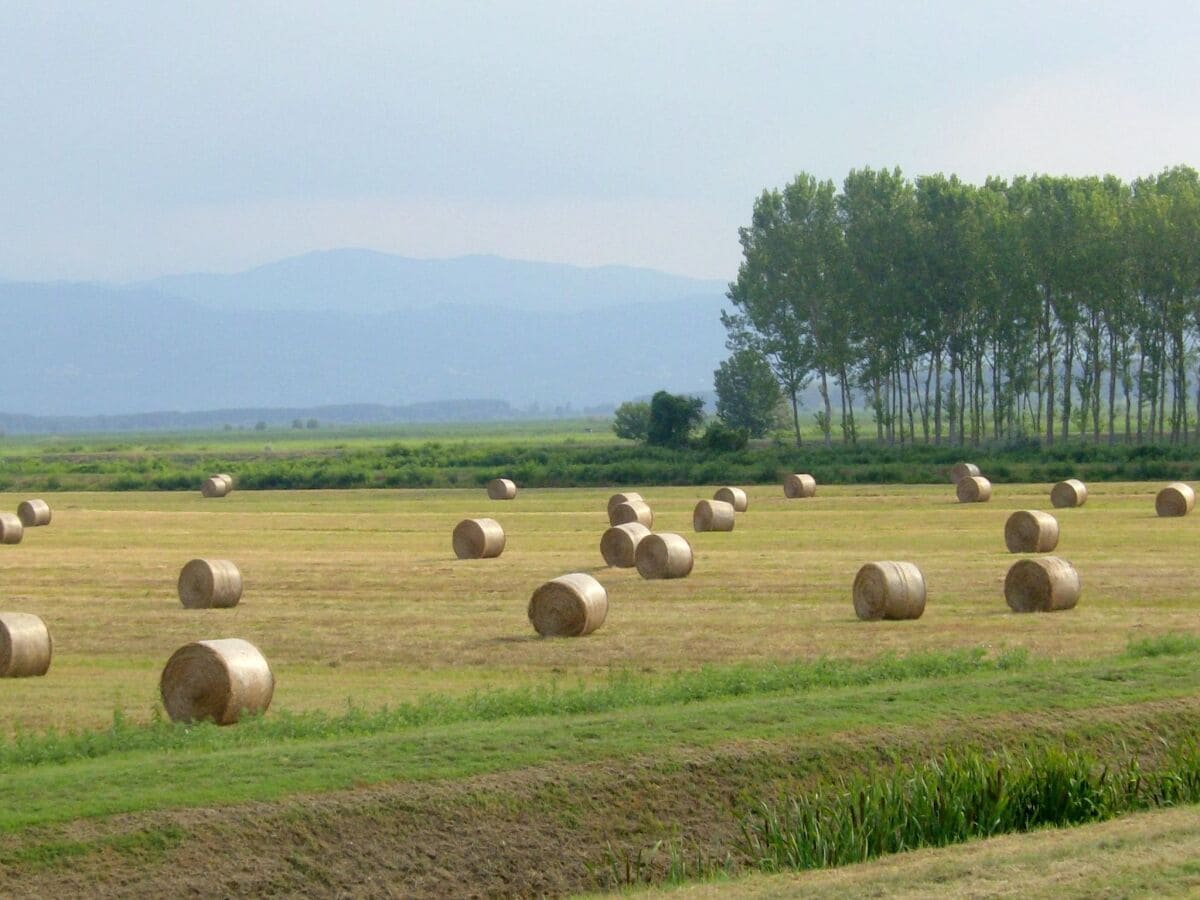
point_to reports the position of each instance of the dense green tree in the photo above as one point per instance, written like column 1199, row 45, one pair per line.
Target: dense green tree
column 747, row 392
column 1047, row 305
column 632, row 421
column 673, row 418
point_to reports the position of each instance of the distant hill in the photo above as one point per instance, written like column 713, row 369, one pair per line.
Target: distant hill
column 81, row 349
column 354, row 280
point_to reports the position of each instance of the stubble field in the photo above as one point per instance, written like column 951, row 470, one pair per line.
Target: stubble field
column 356, row 597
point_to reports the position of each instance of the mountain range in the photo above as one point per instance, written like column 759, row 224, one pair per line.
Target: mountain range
column 353, row 327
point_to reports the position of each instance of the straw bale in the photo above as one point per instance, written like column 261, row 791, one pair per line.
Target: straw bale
column 25, row 645
column 568, row 606
column 631, row 511
column 216, row 681
column 1176, row 499
column 626, row 497
column 735, row 496
column 1031, row 531
column 33, row 513
column 478, row 539
column 619, row 544
column 214, row 486
column 210, row 584
column 713, row 515
column 973, row 489
column 796, row 486
column 962, row 470
column 11, row 529
column 889, row 590
column 501, row 489
column 664, row 556
column 1041, row 584
column 227, row 478
column 1069, row 493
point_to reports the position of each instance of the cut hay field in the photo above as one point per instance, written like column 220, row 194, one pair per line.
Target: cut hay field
column 424, row 741
column 355, row 597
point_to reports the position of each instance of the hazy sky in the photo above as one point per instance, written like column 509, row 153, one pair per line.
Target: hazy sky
column 143, row 138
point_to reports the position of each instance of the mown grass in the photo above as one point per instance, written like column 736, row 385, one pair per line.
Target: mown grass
column 173, row 766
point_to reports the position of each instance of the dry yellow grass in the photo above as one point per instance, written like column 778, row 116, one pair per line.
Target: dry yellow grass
column 356, row 595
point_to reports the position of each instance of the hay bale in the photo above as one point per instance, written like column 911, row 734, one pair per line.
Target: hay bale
column 569, row 606
column 713, row 515
column 214, row 486
column 973, row 489
column 1069, row 493
column 631, row 511
column 216, row 681
column 664, row 556
column 618, row 545
column 478, row 539
column 501, row 489
column 1176, row 499
column 961, row 470
column 889, row 590
column 735, row 496
column 797, row 486
column 25, row 645
column 616, row 499
column 1031, row 531
column 210, row 584
column 11, row 529
column 1041, row 584
column 227, row 478
column 33, row 513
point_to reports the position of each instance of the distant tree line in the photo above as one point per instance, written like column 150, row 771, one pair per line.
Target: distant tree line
column 1042, row 307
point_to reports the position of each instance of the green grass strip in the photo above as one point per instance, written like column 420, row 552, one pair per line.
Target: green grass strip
column 619, row 690
column 222, row 769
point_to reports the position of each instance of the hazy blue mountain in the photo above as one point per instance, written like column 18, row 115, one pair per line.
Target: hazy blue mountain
column 367, row 281
column 84, row 349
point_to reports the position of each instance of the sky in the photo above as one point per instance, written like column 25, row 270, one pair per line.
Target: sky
column 140, row 139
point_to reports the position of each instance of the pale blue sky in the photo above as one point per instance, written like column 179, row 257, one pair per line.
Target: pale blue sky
column 144, row 138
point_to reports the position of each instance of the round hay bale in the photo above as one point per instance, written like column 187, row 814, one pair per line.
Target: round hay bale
column 569, row 606
column 210, row 584
column 227, row 478
column 501, row 489
column 973, row 489
column 631, row 511
column 735, row 496
column 11, row 529
column 33, row 513
column 1069, row 493
column 663, row 556
column 713, row 515
column 1176, row 499
column 478, row 539
column 797, row 486
column 25, row 645
column 889, row 590
column 616, row 499
column 214, row 486
column 961, row 470
column 619, row 544
column 216, row 681
column 1041, row 584
column 1031, row 531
